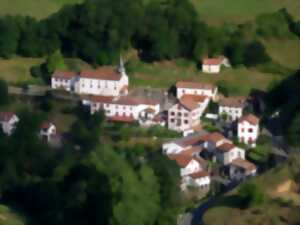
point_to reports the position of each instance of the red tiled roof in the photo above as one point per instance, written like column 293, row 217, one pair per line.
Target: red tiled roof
column 199, row 174
column 45, row 125
column 189, row 104
column 245, row 164
column 102, row 73
column 125, row 119
column 100, row 99
column 191, row 140
column 67, row 75
column 196, row 98
column 213, row 137
column 192, row 150
column 226, row 147
column 212, row 61
column 250, row 118
column 194, row 85
column 237, row 102
column 6, row 116
column 182, row 160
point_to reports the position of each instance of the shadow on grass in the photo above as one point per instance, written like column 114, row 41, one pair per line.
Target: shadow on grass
column 232, row 201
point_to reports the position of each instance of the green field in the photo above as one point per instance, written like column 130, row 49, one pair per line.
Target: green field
column 220, row 11
column 165, row 74
column 36, row 8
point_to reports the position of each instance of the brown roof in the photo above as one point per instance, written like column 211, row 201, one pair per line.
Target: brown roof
column 6, row 116
column 182, row 160
column 245, row 164
column 194, row 85
column 250, row 118
column 213, row 137
column 134, row 101
column 67, row 75
column 189, row 104
column 237, row 102
column 46, row 125
column 226, row 147
column 102, row 73
column 212, row 61
column 124, row 119
column 100, row 99
column 195, row 98
column 192, row 150
column 190, row 140
column 159, row 118
column 199, row 174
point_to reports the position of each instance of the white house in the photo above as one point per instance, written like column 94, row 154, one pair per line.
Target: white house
column 149, row 117
column 64, row 80
column 213, row 140
column 188, row 165
column 122, row 109
column 199, row 179
column 8, row 121
column 248, row 129
column 232, row 107
column 47, row 131
column 227, row 152
column 241, row 169
column 194, row 88
column 213, row 65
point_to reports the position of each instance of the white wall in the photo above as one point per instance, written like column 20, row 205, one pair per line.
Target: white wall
column 248, row 132
column 192, row 167
column 8, row 127
column 211, row 68
column 233, row 112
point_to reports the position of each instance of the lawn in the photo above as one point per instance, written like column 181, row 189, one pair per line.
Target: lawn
column 162, row 75
column 36, row 8
column 220, row 11
column 8, row 217
column 285, row 52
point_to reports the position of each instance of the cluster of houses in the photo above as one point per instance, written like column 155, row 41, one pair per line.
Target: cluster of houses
column 9, row 121
column 106, row 89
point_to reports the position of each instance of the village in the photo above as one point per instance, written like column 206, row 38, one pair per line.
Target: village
column 106, row 89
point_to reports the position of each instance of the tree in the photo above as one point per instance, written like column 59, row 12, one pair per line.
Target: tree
column 256, row 54
column 4, row 98
column 250, row 195
column 55, row 61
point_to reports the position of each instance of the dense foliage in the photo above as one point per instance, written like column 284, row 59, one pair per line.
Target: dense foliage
column 98, row 30
column 250, row 195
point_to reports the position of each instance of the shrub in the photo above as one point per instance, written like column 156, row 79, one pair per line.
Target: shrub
column 250, row 195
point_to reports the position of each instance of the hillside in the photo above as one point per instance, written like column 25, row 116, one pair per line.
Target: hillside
column 281, row 207
column 36, row 8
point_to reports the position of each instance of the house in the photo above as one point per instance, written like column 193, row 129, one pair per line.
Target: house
column 213, row 140
column 213, row 65
column 194, row 88
column 122, row 109
column 248, row 129
column 149, row 117
column 227, row 152
column 47, row 131
column 64, row 80
column 186, row 113
column 240, row 169
column 188, row 165
column 199, row 179
column 232, row 107
column 179, row 145
column 104, row 81
column 8, row 121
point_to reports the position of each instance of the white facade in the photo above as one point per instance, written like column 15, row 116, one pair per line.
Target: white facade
column 64, row 81
column 241, row 169
column 202, row 181
column 8, row 122
column 226, row 157
column 210, row 92
column 47, row 131
column 180, row 118
column 248, row 132
column 211, row 68
column 233, row 113
column 99, row 86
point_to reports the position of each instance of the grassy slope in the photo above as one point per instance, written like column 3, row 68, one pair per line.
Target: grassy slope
column 220, row 11
column 8, row 217
column 36, row 8
column 278, row 208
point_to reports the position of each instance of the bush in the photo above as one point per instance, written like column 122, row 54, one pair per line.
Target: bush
column 4, row 98
column 250, row 195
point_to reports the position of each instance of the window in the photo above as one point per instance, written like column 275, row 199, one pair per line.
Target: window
column 179, row 114
column 172, row 113
column 242, row 130
column 250, row 130
column 186, row 121
column 186, row 114
column 172, row 120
